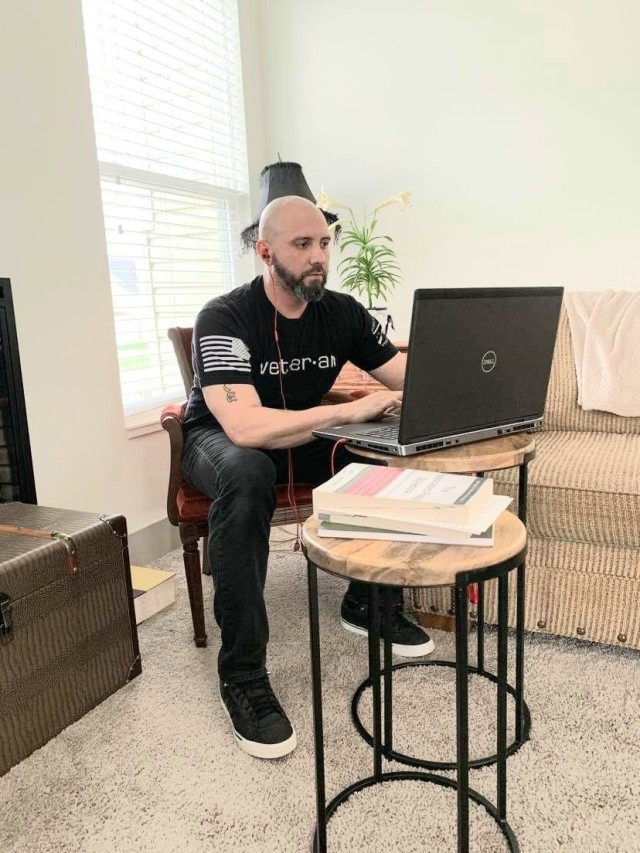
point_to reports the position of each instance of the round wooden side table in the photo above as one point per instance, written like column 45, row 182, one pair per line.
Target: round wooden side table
column 478, row 457
column 385, row 565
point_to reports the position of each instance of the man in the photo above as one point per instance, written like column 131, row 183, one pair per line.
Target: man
column 264, row 355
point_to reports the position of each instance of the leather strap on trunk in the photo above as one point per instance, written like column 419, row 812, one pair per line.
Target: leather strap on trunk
column 66, row 540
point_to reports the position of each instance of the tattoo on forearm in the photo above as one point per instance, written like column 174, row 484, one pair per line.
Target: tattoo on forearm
column 231, row 395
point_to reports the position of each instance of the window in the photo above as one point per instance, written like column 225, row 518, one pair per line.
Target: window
column 166, row 88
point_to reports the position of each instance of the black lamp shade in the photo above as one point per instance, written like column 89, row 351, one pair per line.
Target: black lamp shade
column 278, row 180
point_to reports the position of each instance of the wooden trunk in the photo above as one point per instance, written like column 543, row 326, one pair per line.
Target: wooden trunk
column 68, row 636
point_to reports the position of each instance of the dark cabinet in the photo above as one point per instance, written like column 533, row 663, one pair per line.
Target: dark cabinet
column 16, row 466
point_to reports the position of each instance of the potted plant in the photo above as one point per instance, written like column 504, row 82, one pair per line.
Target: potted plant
column 370, row 268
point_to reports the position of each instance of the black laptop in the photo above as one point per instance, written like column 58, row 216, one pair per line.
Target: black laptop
column 478, row 367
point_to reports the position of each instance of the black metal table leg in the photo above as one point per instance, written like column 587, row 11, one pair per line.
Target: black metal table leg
column 501, row 726
column 462, row 717
column 374, row 672
column 388, row 669
column 520, row 605
column 480, row 628
column 480, row 616
column 318, row 730
column 522, row 491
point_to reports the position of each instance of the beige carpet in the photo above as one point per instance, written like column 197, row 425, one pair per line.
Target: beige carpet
column 154, row 768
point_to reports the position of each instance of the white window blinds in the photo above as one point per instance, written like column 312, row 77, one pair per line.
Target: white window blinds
column 166, row 89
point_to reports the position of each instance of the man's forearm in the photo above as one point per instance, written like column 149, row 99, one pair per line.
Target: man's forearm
column 274, row 428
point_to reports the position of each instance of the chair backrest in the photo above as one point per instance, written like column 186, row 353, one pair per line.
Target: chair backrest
column 180, row 337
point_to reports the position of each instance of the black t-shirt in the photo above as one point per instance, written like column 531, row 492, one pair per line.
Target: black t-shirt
column 234, row 343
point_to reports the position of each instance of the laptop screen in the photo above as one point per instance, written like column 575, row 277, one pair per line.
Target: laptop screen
column 477, row 358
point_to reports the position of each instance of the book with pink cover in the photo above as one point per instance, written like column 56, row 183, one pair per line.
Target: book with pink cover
column 420, row 495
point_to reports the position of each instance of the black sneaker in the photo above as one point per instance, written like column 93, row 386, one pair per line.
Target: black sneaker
column 408, row 640
column 259, row 724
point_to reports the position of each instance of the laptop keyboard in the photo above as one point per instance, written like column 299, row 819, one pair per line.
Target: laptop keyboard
column 383, row 432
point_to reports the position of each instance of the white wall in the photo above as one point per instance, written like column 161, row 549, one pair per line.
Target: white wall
column 52, row 248
column 515, row 124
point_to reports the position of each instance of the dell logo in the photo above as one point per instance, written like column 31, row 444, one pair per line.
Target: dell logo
column 488, row 361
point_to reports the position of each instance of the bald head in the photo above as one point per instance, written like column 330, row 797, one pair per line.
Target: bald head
column 287, row 215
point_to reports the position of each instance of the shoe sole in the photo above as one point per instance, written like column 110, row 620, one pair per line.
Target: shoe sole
column 262, row 750
column 398, row 649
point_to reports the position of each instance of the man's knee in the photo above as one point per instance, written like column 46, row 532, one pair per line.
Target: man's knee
column 246, row 486
column 249, row 471
column 216, row 466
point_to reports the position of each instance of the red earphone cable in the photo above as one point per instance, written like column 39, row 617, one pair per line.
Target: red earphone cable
column 333, row 454
column 291, row 496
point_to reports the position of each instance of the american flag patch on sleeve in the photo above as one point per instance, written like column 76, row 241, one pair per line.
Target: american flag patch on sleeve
column 221, row 352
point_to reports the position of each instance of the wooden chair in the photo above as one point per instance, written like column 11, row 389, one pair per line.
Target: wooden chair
column 188, row 509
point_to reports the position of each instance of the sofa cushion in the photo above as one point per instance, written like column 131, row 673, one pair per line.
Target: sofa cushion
column 583, row 487
column 562, row 410
column 578, row 590
column 572, row 588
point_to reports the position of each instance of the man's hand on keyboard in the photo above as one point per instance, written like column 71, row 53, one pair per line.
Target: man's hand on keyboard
column 393, row 411
column 373, row 406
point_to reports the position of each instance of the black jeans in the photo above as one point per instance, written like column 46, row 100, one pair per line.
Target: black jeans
column 241, row 482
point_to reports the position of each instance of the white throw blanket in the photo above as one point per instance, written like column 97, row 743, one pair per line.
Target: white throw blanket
column 605, row 330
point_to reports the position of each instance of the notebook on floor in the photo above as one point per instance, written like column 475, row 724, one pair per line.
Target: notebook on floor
column 478, row 367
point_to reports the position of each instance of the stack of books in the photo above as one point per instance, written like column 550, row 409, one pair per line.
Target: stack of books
column 408, row 505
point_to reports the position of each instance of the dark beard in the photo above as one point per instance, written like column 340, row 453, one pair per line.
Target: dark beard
column 312, row 292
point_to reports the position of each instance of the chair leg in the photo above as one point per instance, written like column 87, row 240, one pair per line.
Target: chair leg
column 191, row 557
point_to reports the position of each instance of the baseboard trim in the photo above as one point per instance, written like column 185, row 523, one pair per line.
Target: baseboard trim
column 153, row 541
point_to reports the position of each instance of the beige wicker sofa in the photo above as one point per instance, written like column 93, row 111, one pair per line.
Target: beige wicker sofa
column 583, row 508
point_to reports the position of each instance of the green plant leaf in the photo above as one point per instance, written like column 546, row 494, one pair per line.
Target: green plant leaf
column 369, row 266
